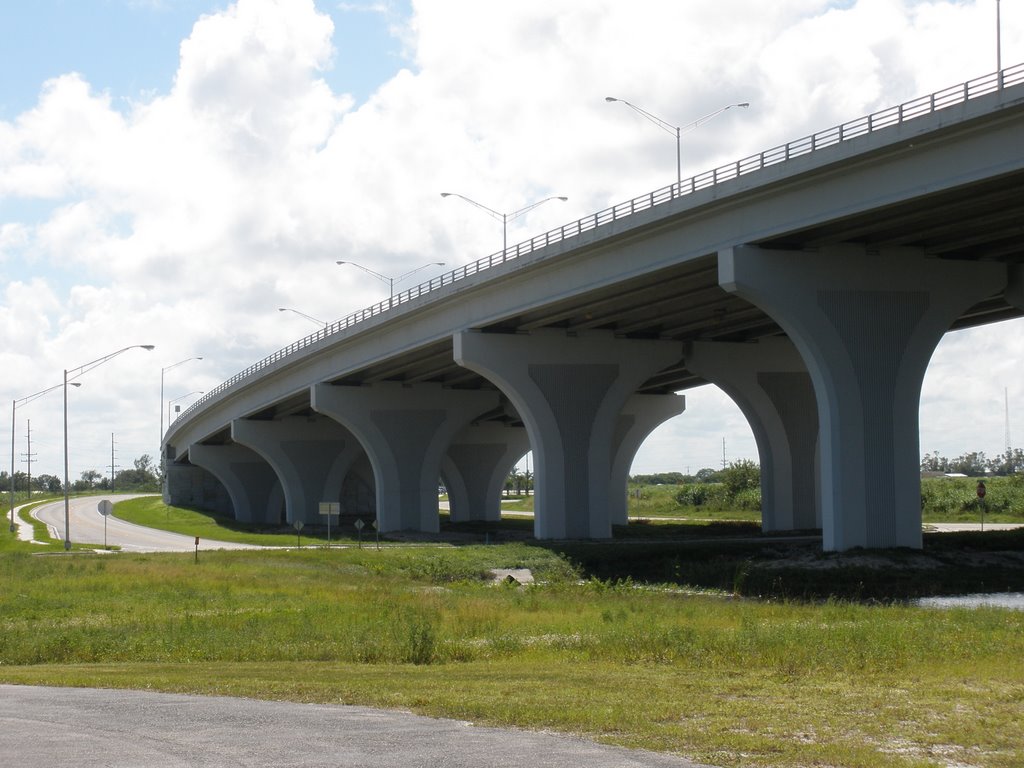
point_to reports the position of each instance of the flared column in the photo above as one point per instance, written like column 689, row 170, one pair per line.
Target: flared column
column 641, row 415
column 249, row 480
column 866, row 324
column 405, row 432
column 309, row 455
column 476, row 465
column 770, row 384
column 569, row 391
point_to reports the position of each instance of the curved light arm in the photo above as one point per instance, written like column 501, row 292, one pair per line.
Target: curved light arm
column 663, row 124
column 303, row 314
column 74, row 373
column 481, row 206
column 180, row 362
column 367, row 270
column 29, row 398
column 527, row 209
column 701, row 120
column 390, row 281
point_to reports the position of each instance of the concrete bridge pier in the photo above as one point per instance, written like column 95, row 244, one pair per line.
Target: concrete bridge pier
column 569, row 391
column 866, row 324
column 189, row 485
column 641, row 415
column 405, row 432
column 476, row 465
column 251, row 482
column 769, row 383
column 310, row 456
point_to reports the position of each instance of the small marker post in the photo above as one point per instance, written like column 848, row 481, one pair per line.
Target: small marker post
column 197, row 549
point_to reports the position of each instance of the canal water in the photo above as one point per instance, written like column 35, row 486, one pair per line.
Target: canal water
column 1014, row 600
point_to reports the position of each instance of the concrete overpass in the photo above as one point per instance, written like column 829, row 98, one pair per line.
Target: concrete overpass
column 811, row 282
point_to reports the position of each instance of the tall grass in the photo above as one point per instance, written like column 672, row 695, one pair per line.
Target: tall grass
column 727, row 681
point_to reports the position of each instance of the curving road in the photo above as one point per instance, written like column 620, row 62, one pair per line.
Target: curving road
column 87, row 527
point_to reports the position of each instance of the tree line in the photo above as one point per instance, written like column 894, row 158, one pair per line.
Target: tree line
column 143, row 476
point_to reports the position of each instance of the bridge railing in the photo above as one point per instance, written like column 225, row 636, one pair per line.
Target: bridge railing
column 924, row 105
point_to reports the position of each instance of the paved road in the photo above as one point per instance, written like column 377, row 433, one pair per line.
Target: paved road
column 89, row 728
column 87, row 527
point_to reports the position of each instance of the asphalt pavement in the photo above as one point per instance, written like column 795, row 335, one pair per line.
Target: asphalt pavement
column 91, row 728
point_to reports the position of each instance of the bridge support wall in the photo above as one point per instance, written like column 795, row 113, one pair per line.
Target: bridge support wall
column 192, row 486
column 770, row 384
column 569, row 391
column 405, row 432
column 309, row 455
column 866, row 324
column 475, row 467
column 641, row 415
column 250, row 481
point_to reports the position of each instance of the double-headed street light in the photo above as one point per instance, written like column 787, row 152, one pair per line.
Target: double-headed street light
column 14, row 407
column 504, row 218
column 75, row 373
column 676, row 130
column 303, row 314
column 391, row 280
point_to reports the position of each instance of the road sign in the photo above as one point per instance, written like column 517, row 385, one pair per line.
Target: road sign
column 105, row 507
column 981, row 489
column 330, row 508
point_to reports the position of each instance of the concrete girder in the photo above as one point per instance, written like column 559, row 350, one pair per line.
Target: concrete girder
column 866, row 324
column 770, row 384
column 310, row 455
column 405, row 432
column 569, row 391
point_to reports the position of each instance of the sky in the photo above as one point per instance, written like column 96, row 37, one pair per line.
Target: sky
column 172, row 172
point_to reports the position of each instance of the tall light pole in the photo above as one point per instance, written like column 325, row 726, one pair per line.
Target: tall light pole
column 14, row 407
column 162, row 372
column 391, row 280
column 999, row 46
column 504, row 218
column 176, row 399
column 676, row 130
column 303, row 314
column 75, row 373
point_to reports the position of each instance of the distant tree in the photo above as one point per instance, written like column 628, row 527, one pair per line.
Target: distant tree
column 934, row 462
column 1008, row 463
column 142, row 476
column 707, row 475
column 47, row 483
column 971, row 464
column 743, row 475
column 660, row 478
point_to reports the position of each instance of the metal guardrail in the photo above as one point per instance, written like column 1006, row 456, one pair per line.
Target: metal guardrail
column 924, row 105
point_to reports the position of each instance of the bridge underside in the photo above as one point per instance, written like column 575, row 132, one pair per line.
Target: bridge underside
column 820, row 331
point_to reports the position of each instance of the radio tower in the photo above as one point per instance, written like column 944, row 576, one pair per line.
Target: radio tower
column 1006, row 398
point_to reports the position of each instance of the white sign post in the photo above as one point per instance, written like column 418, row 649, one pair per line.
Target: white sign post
column 329, row 508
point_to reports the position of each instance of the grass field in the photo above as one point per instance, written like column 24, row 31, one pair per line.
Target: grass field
column 627, row 643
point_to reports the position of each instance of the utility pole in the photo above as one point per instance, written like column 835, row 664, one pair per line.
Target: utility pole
column 723, row 453
column 111, row 462
column 28, row 458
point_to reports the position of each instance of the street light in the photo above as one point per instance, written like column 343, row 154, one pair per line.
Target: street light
column 391, row 280
column 176, row 399
column 14, row 407
column 504, row 218
column 162, row 372
column 677, row 131
column 76, row 372
column 303, row 314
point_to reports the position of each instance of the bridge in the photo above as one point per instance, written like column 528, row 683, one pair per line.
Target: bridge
column 811, row 282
